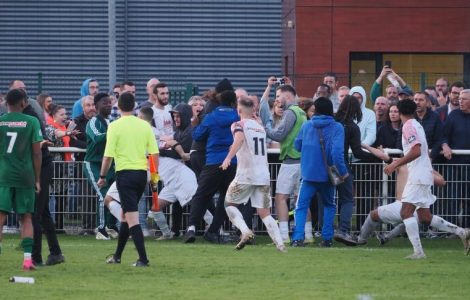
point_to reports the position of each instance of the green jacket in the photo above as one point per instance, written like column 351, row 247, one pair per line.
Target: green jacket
column 96, row 139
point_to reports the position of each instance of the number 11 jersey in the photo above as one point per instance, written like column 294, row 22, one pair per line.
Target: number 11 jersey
column 252, row 158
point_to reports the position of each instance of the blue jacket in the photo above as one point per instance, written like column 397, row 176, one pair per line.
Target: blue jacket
column 215, row 129
column 308, row 143
column 77, row 108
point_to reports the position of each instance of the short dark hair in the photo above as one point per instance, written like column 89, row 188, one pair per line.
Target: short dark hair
column 54, row 108
column 98, row 97
column 331, row 74
column 430, row 87
column 15, row 96
column 323, row 106
column 458, row 84
column 326, row 86
column 159, row 86
column 147, row 113
column 127, row 82
column 287, row 88
column 227, row 98
column 406, row 107
column 117, row 85
column 126, row 102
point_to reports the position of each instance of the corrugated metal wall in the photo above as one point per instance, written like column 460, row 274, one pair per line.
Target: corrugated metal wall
column 198, row 42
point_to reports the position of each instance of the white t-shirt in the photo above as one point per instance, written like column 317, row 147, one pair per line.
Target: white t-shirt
column 163, row 123
column 252, row 158
column 420, row 169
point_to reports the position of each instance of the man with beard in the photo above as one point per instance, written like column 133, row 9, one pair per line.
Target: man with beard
column 96, row 130
column 161, row 116
column 453, row 104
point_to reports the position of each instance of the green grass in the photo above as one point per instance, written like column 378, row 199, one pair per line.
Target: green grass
column 205, row 271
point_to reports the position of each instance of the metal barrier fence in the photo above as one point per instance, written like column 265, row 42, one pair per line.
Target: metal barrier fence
column 73, row 201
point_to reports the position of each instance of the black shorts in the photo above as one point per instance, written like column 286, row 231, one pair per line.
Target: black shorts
column 131, row 185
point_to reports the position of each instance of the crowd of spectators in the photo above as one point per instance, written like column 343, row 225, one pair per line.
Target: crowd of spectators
column 198, row 134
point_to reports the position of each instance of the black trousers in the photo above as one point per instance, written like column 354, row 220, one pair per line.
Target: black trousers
column 42, row 220
column 211, row 180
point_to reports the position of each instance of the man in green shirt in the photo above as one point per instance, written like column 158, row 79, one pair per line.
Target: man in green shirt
column 20, row 157
column 96, row 130
column 129, row 140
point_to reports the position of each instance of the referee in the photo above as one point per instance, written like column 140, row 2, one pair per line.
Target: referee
column 129, row 139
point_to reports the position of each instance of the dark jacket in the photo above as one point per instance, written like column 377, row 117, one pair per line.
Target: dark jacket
column 352, row 139
column 434, row 131
column 457, row 135
column 442, row 113
column 312, row 165
column 215, row 129
column 388, row 137
column 80, row 142
column 183, row 133
column 46, row 156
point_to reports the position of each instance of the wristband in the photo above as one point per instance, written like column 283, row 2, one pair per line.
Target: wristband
column 102, row 177
column 174, row 146
column 389, row 161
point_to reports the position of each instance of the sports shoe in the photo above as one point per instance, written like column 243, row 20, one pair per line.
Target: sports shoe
column 111, row 259
column 189, row 237
column 465, row 237
column 282, row 248
column 55, row 259
column 139, row 264
column 381, row 238
column 297, row 243
column 28, row 265
column 101, row 234
column 169, row 236
column 216, row 238
column 416, row 256
column 325, row 244
column 345, row 238
column 245, row 238
column 112, row 232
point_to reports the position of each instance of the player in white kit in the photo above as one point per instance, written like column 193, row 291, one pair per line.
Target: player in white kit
column 417, row 195
column 252, row 176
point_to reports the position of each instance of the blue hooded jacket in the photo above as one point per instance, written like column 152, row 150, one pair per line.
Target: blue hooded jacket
column 215, row 129
column 84, row 91
column 308, row 143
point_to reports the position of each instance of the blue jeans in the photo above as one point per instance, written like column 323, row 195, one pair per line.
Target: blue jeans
column 327, row 194
column 345, row 203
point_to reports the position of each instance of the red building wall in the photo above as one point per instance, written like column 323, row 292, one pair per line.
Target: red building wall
column 326, row 31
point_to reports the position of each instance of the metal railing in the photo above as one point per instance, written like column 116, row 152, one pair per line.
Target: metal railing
column 73, row 201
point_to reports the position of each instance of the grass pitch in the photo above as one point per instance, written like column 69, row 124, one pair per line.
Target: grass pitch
column 206, row 271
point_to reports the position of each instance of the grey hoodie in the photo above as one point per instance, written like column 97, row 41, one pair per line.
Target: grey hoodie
column 368, row 124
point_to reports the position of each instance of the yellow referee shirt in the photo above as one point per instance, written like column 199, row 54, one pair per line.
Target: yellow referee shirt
column 128, row 141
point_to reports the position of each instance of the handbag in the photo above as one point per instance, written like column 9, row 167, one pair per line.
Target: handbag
column 333, row 173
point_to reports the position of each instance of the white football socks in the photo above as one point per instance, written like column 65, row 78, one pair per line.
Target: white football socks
column 284, row 229
column 412, row 230
column 236, row 218
column 273, row 230
column 308, row 230
column 160, row 220
column 367, row 228
column 396, row 231
column 208, row 217
column 115, row 209
column 442, row 225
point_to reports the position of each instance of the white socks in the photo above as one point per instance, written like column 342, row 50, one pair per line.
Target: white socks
column 160, row 220
column 412, row 230
column 115, row 209
column 442, row 225
column 396, row 231
column 284, row 229
column 368, row 227
column 273, row 230
column 308, row 230
column 208, row 217
column 236, row 218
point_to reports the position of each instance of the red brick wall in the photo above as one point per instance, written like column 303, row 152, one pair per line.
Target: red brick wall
column 326, row 31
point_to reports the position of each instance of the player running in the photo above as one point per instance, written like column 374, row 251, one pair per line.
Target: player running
column 417, row 195
column 252, row 176
column 20, row 168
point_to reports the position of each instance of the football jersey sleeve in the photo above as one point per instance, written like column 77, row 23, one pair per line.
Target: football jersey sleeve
column 411, row 135
column 37, row 134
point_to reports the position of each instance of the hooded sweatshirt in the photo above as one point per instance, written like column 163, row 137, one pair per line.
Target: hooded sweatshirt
column 183, row 133
column 84, row 91
column 215, row 129
column 368, row 124
column 312, row 165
